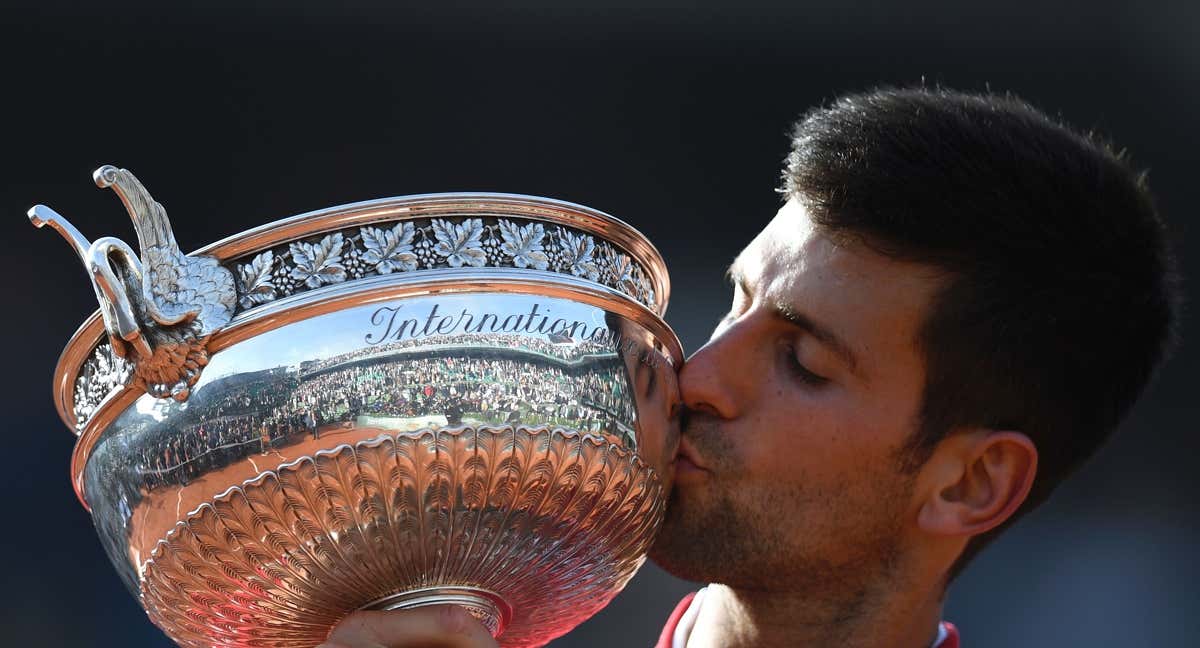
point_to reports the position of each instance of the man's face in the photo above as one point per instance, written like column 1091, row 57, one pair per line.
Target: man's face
column 798, row 409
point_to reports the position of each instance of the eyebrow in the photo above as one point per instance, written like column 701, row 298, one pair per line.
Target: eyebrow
column 793, row 316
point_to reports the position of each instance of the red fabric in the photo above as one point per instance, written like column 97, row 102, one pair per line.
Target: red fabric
column 668, row 632
column 951, row 640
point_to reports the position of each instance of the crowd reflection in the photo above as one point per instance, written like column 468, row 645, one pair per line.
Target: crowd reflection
column 452, row 380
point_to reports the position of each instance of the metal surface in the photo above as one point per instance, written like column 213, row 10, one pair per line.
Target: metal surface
column 493, row 430
column 599, row 249
column 160, row 311
column 486, row 606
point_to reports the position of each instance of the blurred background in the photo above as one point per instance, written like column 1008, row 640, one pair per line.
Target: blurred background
column 671, row 117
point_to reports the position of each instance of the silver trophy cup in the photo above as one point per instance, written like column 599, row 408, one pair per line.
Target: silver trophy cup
column 447, row 398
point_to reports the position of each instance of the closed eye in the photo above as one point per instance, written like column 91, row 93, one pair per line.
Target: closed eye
column 799, row 371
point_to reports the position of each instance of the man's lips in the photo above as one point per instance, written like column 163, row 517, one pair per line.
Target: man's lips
column 686, row 460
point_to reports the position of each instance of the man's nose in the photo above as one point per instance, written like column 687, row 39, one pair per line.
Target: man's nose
column 717, row 379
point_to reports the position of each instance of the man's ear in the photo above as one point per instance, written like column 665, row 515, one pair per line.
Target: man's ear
column 975, row 480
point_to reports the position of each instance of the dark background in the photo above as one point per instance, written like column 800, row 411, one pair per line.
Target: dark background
column 672, row 118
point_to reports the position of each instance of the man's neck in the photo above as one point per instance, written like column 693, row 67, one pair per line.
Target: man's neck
column 731, row 618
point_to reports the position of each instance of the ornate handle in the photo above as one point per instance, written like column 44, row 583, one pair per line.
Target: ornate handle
column 110, row 285
column 161, row 309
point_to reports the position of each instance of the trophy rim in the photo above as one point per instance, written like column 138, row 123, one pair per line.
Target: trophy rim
column 366, row 291
column 91, row 332
column 467, row 203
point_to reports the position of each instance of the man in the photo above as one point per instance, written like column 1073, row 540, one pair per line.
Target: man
column 956, row 305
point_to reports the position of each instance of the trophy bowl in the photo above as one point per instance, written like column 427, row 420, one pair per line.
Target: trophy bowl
column 449, row 398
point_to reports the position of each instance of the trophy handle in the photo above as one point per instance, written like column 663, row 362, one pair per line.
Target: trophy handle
column 41, row 216
column 160, row 307
column 111, row 292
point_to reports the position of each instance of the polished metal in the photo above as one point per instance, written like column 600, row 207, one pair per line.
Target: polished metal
column 346, row 244
column 161, row 310
column 464, row 398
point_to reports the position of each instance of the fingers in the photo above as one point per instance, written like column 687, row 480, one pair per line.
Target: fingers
column 435, row 626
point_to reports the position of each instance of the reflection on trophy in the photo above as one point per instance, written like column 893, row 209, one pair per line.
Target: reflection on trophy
column 447, row 398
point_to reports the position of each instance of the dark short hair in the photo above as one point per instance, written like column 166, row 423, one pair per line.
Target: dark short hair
column 1061, row 298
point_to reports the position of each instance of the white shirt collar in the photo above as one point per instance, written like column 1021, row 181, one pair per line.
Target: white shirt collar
column 683, row 630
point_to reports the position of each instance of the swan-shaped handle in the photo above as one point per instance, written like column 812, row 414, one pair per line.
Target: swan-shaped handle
column 109, row 281
column 161, row 309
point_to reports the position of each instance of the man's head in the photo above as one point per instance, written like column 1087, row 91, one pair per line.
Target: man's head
column 956, row 306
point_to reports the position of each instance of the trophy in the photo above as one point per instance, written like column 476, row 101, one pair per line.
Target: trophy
column 459, row 398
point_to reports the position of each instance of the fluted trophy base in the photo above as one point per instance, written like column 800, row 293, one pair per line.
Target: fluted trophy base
column 531, row 529
column 488, row 607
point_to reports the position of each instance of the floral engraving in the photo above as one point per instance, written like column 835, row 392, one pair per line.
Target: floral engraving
column 577, row 251
column 103, row 373
column 389, row 250
column 496, row 257
column 524, row 244
column 413, row 245
column 645, row 290
column 282, row 277
column 257, row 287
column 622, row 273
column 354, row 263
column 319, row 263
column 460, row 244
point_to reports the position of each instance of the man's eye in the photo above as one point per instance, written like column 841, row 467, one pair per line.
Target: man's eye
column 799, row 371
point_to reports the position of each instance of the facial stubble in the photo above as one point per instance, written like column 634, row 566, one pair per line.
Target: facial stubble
column 838, row 540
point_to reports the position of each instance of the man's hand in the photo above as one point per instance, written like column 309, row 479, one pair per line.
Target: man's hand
column 435, row 626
